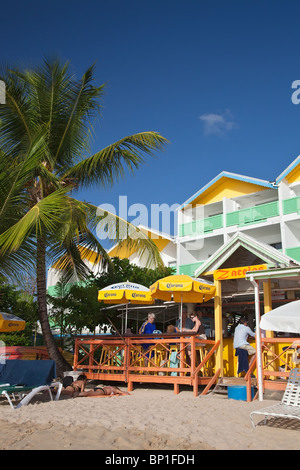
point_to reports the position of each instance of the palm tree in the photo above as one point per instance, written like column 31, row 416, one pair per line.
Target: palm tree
column 45, row 132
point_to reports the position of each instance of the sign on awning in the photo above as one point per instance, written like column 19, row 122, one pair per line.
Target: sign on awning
column 237, row 273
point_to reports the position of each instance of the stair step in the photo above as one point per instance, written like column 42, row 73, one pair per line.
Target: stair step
column 224, row 382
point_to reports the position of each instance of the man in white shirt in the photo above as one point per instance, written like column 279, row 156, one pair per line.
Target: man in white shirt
column 241, row 334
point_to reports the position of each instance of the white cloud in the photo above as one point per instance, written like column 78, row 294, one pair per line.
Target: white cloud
column 217, row 124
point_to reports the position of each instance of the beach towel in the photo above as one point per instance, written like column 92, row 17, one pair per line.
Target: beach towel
column 243, row 364
column 29, row 373
column 174, row 361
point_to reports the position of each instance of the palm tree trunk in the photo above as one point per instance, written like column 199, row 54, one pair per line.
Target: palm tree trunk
column 61, row 364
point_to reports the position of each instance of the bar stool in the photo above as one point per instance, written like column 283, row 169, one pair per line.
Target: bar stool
column 159, row 355
column 288, row 356
column 105, row 357
column 173, row 348
column 200, row 351
column 156, row 355
column 136, row 357
column 210, row 364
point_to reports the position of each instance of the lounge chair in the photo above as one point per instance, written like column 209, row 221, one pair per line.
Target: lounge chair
column 290, row 403
column 26, row 378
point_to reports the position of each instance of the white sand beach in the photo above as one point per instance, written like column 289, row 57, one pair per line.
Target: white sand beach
column 148, row 419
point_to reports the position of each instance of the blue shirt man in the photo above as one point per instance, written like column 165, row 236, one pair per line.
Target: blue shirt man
column 149, row 325
column 147, row 328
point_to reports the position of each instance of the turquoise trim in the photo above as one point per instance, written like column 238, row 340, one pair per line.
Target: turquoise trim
column 288, row 169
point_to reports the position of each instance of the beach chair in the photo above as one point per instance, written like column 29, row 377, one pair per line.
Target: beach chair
column 26, row 378
column 290, row 403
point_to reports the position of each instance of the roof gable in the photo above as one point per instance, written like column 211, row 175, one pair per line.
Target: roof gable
column 227, row 184
column 239, row 244
column 123, row 250
column 291, row 173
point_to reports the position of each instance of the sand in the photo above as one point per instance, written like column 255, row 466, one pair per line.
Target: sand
column 148, row 419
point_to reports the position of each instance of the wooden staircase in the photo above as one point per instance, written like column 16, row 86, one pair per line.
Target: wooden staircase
column 224, row 382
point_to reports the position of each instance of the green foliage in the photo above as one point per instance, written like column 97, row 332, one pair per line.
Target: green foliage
column 79, row 307
column 23, row 305
column 19, row 338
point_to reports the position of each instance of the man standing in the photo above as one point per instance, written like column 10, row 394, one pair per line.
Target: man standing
column 241, row 334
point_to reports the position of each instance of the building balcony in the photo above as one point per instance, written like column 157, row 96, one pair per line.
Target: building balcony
column 198, row 227
column 291, row 205
column 242, row 217
column 253, row 215
column 293, row 252
column 189, row 269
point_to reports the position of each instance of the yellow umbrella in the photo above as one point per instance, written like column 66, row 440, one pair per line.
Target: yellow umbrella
column 9, row 323
column 125, row 293
column 182, row 288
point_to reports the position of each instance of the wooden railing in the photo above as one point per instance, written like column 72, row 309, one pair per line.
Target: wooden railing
column 161, row 358
column 276, row 362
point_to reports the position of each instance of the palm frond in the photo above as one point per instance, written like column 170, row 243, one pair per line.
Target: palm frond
column 124, row 234
column 74, row 242
column 21, row 170
column 74, row 127
column 15, row 115
column 43, row 216
column 107, row 166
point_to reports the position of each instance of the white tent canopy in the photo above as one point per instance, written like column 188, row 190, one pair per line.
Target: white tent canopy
column 285, row 318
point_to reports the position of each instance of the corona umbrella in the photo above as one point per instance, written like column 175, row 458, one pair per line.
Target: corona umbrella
column 182, row 288
column 10, row 323
column 125, row 293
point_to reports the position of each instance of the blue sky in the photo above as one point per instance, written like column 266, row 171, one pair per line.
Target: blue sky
column 214, row 77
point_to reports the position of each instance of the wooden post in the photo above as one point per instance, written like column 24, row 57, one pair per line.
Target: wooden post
column 193, row 365
column 267, row 296
column 91, row 357
column 270, row 334
column 76, row 354
column 218, row 326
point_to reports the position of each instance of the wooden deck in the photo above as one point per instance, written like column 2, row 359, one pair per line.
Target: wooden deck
column 177, row 359
column 125, row 359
